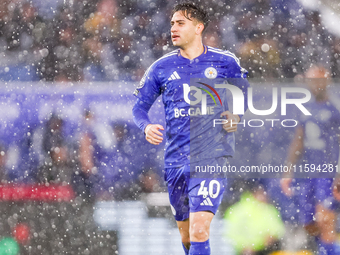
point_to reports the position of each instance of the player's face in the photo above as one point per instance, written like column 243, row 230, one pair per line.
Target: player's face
column 317, row 81
column 183, row 30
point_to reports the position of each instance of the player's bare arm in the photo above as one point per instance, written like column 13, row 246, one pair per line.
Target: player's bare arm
column 294, row 153
column 86, row 154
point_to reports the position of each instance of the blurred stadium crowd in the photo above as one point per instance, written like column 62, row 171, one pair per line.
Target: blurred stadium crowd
column 101, row 40
column 99, row 158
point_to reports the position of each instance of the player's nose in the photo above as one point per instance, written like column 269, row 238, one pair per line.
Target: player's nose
column 173, row 29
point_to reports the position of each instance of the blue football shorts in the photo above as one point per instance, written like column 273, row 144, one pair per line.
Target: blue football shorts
column 193, row 194
column 309, row 193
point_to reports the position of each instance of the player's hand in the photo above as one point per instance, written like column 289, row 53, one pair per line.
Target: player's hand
column 152, row 133
column 232, row 119
column 336, row 189
column 286, row 186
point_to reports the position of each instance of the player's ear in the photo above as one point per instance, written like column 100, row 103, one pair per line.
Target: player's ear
column 199, row 28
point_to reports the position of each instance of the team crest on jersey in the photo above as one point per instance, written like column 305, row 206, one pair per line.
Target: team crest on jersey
column 210, row 73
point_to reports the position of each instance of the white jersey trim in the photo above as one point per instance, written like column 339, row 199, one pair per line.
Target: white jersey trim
column 226, row 53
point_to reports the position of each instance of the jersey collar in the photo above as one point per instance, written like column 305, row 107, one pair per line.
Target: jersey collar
column 198, row 58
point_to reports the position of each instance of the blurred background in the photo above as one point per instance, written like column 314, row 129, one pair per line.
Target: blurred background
column 77, row 176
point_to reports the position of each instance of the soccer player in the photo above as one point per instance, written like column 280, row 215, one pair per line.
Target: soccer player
column 316, row 143
column 191, row 81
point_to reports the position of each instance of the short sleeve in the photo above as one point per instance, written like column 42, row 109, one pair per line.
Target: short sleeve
column 149, row 87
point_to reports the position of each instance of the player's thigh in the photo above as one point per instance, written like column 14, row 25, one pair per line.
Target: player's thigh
column 177, row 181
column 202, row 218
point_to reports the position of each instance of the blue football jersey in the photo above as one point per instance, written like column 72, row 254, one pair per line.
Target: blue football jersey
column 321, row 130
column 193, row 99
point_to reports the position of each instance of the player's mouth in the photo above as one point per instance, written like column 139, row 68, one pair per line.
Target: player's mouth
column 174, row 37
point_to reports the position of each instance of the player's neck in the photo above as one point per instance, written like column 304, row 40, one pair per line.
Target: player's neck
column 322, row 97
column 192, row 51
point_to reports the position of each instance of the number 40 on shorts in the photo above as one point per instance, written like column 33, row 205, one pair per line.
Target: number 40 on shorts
column 212, row 189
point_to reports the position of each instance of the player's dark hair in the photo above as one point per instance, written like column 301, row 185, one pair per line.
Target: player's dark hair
column 192, row 11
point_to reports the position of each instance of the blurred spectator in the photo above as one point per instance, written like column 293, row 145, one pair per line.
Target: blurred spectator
column 25, row 29
column 293, row 50
column 315, row 142
column 68, row 55
column 56, row 167
column 261, row 57
column 253, row 18
column 29, row 158
column 150, row 182
column 102, row 28
column 93, row 70
column 254, row 226
column 21, row 36
column 318, row 42
column 212, row 38
column 104, row 21
column 106, row 169
column 119, row 171
column 85, row 179
column 128, row 58
column 4, row 11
